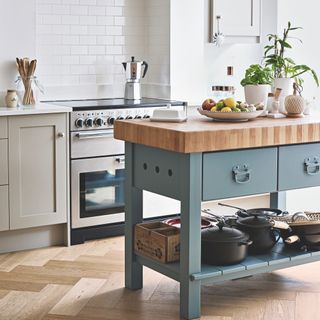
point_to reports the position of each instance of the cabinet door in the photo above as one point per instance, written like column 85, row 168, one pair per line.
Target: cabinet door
column 4, row 208
column 38, row 170
column 238, row 18
column 3, row 161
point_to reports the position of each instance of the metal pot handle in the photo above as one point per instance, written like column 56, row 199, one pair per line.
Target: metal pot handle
column 245, row 243
column 277, row 235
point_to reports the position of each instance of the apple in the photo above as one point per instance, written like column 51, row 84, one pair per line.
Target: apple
column 208, row 104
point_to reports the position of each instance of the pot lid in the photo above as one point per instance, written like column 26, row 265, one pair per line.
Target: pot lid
column 223, row 234
column 254, row 221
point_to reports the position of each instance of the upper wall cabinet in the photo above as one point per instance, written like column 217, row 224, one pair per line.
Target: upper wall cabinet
column 240, row 20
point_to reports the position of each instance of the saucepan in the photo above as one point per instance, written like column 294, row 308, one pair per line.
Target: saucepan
column 221, row 245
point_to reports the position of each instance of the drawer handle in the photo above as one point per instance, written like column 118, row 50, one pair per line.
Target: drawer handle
column 312, row 166
column 241, row 174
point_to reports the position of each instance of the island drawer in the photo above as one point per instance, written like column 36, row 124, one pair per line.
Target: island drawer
column 238, row 173
column 3, row 127
column 299, row 166
column 4, row 208
column 3, row 161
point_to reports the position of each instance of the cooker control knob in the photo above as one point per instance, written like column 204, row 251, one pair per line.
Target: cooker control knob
column 120, row 118
column 89, row 122
column 146, row 116
column 79, row 123
column 137, row 117
column 111, row 120
column 99, row 122
column 129, row 117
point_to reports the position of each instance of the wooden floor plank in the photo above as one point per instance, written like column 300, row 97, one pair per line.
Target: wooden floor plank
column 72, row 303
column 86, row 282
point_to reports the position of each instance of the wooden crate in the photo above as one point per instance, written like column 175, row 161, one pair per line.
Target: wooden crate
column 158, row 241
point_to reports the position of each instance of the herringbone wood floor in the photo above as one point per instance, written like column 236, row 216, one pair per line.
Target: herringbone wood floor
column 86, row 282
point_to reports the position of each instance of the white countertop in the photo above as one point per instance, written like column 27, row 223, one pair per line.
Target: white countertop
column 39, row 108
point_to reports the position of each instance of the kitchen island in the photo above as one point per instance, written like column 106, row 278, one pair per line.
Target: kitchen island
column 202, row 160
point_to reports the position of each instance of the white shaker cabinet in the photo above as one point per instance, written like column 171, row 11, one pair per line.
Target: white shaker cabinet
column 37, row 170
column 240, row 19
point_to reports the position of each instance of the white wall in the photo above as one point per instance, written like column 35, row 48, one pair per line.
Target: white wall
column 306, row 16
column 17, row 37
column 196, row 64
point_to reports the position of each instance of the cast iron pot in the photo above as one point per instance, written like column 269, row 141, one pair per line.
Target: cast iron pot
column 261, row 232
column 223, row 246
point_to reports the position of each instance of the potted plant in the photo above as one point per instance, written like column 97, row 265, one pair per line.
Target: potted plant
column 284, row 69
column 257, row 83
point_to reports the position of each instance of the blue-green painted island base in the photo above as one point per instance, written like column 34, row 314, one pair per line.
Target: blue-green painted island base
column 196, row 177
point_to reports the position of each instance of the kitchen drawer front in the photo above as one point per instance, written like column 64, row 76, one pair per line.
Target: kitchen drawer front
column 238, row 173
column 3, row 161
column 299, row 166
column 4, row 208
column 3, row 127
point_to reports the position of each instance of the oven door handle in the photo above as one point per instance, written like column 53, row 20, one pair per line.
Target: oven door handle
column 93, row 135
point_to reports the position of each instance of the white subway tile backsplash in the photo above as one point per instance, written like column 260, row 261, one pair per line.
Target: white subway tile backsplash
column 78, row 30
column 119, row 21
column 81, row 42
column 114, row 50
column 88, row 20
column 70, row 60
column 113, row 11
column 105, row 2
column 78, row 69
column 114, row 31
column 96, row 50
column 70, row 39
column 69, row 19
column 95, row 30
column 107, row 21
column 97, row 11
column 79, row 10
column 87, row 59
column 106, row 40
column 88, row 2
column 79, row 50
column 60, row 29
column 88, row 40
column 60, row 9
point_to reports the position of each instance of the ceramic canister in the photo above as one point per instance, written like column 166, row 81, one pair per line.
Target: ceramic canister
column 11, row 99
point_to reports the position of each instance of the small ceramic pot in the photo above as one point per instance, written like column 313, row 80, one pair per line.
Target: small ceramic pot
column 11, row 99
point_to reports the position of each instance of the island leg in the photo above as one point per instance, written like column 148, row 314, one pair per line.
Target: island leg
column 278, row 200
column 133, row 215
column 190, row 235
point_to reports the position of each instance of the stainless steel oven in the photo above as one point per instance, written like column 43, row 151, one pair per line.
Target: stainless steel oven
column 97, row 186
column 97, row 166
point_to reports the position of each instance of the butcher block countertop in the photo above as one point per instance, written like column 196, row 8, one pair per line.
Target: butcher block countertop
column 200, row 134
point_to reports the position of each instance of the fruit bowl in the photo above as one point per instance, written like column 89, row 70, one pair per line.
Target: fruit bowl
column 230, row 116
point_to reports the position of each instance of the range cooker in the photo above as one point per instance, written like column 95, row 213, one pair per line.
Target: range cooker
column 97, row 165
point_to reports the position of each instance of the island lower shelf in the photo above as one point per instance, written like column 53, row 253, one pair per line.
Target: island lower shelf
column 279, row 257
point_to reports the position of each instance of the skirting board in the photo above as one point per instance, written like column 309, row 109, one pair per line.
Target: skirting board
column 31, row 238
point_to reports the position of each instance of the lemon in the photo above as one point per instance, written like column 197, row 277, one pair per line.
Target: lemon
column 226, row 109
column 213, row 109
column 230, row 102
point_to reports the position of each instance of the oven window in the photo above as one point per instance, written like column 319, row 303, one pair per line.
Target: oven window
column 101, row 193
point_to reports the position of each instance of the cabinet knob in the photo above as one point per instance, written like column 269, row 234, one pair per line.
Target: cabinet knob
column 60, row 134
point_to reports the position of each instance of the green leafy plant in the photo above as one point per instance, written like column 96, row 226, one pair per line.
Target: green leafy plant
column 256, row 74
column 281, row 65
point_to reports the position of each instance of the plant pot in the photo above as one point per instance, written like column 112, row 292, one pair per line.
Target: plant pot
column 285, row 84
column 257, row 93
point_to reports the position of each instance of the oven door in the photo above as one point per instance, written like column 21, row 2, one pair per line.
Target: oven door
column 97, row 191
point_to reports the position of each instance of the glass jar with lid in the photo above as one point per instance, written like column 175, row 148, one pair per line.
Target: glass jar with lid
column 222, row 92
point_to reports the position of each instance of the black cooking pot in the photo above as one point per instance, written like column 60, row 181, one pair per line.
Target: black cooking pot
column 223, row 246
column 261, row 232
